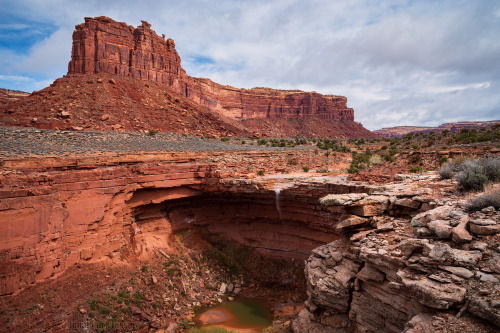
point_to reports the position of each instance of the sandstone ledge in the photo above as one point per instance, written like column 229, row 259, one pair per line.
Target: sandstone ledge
column 386, row 275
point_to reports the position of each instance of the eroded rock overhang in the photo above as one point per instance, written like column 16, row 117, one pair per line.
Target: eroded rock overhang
column 57, row 213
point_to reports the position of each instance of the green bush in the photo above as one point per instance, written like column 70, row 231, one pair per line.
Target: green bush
column 389, row 158
column 224, row 139
column 152, row 132
column 443, row 160
column 416, row 169
column 260, row 172
column 305, row 168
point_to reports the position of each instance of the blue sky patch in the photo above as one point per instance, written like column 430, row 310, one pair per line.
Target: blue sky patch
column 202, row 60
column 19, row 36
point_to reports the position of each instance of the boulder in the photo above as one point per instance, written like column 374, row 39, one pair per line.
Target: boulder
column 350, row 222
column 484, row 227
column 441, row 228
column 460, row 234
column 303, row 323
column 439, row 213
column 494, row 264
column 479, row 307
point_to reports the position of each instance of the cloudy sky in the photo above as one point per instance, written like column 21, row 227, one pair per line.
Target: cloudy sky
column 413, row 62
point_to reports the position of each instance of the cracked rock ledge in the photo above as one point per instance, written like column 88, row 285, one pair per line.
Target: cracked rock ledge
column 411, row 259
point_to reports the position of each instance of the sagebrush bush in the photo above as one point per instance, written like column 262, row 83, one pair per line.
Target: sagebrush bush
column 472, row 178
column 491, row 168
column 446, row 171
column 487, row 199
column 461, row 163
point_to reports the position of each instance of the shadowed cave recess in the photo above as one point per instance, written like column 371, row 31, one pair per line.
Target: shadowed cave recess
column 282, row 223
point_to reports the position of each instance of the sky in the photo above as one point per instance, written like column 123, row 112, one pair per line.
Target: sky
column 398, row 62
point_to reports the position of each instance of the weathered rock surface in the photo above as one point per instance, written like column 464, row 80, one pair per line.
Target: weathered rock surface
column 393, row 279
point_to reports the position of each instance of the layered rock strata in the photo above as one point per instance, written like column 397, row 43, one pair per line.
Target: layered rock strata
column 56, row 213
column 7, row 95
column 125, row 78
column 407, row 259
column 101, row 45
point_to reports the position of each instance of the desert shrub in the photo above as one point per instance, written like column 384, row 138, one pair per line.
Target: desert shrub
column 152, row 132
column 487, row 199
column 260, row 172
column 375, row 159
column 446, row 171
column 414, row 159
column 305, row 168
column 389, row 158
column 458, row 162
column 491, row 168
column 393, row 151
column 443, row 160
column 322, row 170
column 224, row 139
column 415, row 169
column 472, row 177
column 359, row 161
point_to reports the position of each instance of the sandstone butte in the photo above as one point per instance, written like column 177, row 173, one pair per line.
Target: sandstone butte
column 126, row 78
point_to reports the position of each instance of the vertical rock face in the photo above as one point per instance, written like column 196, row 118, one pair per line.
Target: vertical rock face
column 101, row 45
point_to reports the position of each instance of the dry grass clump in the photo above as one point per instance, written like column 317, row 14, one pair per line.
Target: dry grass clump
column 486, row 199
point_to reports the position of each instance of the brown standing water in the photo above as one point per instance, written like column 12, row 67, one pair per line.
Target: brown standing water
column 241, row 315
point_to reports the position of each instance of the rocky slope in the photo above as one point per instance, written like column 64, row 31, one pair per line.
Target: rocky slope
column 7, row 95
column 394, row 132
column 394, row 273
column 136, row 76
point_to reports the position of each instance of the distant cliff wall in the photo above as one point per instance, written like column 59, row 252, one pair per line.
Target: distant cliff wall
column 102, row 45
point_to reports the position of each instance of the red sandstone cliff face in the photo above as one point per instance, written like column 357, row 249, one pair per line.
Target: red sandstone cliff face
column 58, row 212
column 101, row 45
column 125, row 78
